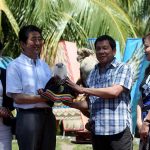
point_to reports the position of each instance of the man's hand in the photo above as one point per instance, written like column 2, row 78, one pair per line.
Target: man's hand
column 40, row 91
column 74, row 86
column 4, row 112
column 144, row 130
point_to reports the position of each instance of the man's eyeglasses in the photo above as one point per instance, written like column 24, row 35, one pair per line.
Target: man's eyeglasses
column 40, row 40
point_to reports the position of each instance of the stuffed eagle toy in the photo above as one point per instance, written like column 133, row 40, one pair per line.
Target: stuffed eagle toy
column 56, row 89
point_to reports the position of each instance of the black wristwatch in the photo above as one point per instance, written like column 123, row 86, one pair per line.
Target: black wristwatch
column 146, row 120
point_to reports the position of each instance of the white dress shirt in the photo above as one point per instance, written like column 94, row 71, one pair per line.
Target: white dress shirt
column 25, row 76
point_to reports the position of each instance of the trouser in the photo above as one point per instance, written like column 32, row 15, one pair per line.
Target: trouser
column 121, row 141
column 36, row 129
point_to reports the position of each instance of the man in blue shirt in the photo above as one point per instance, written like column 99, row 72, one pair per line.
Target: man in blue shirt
column 35, row 121
column 109, row 85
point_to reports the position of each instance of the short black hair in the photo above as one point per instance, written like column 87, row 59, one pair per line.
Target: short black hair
column 111, row 41
column 146, row 36
column 25, row 30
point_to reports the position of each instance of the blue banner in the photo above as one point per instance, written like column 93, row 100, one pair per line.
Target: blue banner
column 134, row 55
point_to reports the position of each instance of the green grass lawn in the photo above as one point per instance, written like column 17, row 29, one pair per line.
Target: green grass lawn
column 65, row 144
column 62, row 144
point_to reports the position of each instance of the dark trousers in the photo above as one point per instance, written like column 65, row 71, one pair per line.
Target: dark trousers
column 36, row 129
column 121, row 141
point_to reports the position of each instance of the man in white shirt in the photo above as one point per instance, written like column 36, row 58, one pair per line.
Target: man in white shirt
column 35, row 127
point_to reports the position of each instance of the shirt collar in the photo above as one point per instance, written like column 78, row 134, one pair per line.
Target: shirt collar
column 28, row 59
column 114, row 64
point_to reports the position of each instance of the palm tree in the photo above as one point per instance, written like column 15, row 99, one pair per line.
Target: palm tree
column 138, row 11
column 8, row 26
column 70, row 20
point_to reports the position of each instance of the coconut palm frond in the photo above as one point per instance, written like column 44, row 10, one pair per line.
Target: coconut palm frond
column 97, row 18
column 147, row 26
column 136, row 61
column 9, row 30
column 73, row 21
column 8, row 13
column 121, row 22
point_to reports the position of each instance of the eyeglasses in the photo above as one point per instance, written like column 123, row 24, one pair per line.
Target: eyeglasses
column 39, row 39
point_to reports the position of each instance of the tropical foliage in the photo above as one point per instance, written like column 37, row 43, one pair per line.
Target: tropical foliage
column 138, row 11
column 72, row 20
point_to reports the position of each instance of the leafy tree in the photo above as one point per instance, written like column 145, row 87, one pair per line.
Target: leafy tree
column 8, row 29
column 138, row 11
column 72, row 20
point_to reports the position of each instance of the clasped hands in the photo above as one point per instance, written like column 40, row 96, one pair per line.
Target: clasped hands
column 144, row 131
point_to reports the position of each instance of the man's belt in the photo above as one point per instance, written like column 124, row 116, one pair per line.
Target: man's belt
column 46, row 110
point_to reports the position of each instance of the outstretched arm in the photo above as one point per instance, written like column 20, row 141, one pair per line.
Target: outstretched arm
column 109, row 92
